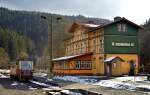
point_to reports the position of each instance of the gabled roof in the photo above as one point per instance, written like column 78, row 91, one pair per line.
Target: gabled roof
column 120, row 20
column 93, row 27
column 111, row 59
column 124, row 20
column 88, row 26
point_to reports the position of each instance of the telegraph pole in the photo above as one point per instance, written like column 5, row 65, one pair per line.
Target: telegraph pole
column 50, row 44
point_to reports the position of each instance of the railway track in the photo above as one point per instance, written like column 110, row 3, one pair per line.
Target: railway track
column 51, row 88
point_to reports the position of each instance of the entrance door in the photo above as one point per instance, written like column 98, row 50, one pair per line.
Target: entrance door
column 108, row 69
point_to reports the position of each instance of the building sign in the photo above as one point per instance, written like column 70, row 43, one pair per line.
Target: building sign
column 123, row 44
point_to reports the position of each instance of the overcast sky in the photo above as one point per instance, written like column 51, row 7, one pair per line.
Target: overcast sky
column 134, row 10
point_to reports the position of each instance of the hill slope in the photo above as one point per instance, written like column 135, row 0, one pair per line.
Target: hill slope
column 30, row 25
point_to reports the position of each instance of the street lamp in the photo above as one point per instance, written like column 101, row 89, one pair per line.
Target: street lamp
column 50, row 42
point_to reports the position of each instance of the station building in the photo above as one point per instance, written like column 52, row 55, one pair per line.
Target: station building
column 108, row 49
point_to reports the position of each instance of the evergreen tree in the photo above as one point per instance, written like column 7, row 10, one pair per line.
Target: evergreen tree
column 4, row 59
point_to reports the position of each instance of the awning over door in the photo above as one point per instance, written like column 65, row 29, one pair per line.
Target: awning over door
column 111, row 59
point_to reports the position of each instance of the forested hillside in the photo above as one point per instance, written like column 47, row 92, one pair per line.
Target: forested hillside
column 28, row 32
column 145, row 45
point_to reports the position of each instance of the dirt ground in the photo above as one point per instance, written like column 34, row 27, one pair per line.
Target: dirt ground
column 19, row 92
column 9, row 87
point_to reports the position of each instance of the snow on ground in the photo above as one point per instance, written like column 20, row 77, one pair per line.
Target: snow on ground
column 70, row 93
column 4, row 71
column 31, row 88
column 39, row 74
column 131, row 78
column 127, row 82
column 39, row 83
column 15, row 83
column 3, row 76
column 75, row 79
column 115, row 84
column 51, row 88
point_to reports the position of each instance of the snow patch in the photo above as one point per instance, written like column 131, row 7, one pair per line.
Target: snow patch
column 40, row 74
column 39, row 83
column 51, row 88
column 65, row 91
column 75, row 79
column 130, row 83
column 3, row 76
column 70, row 92
column 32, row 88
column 92, row 25
column 4, row 71
column 130, row 78
column 14, row 83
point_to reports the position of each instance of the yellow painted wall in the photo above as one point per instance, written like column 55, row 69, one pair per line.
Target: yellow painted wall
column 117, row 70
column 99, row 70
column 125, row 66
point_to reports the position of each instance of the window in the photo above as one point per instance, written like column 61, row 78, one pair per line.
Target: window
column 83, row 65
column 122, row 27
column 100, row 43
column 114, row 65
column 94, row 46
column 88, row 65
column 77, row 64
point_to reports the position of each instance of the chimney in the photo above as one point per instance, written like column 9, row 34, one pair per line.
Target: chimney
column 117, row 18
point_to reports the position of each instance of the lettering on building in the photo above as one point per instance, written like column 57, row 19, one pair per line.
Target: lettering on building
column 123, row 44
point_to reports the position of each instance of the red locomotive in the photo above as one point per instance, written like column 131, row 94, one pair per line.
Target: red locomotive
column 22, row 70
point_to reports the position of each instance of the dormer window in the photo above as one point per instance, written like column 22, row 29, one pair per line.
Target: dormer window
column 122, row 27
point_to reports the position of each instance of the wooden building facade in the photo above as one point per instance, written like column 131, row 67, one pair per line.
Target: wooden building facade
column 108, row 49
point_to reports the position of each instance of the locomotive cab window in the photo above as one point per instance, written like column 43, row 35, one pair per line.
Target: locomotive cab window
column 26, row 65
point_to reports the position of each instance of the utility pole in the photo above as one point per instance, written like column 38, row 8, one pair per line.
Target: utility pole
column 50, row 44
